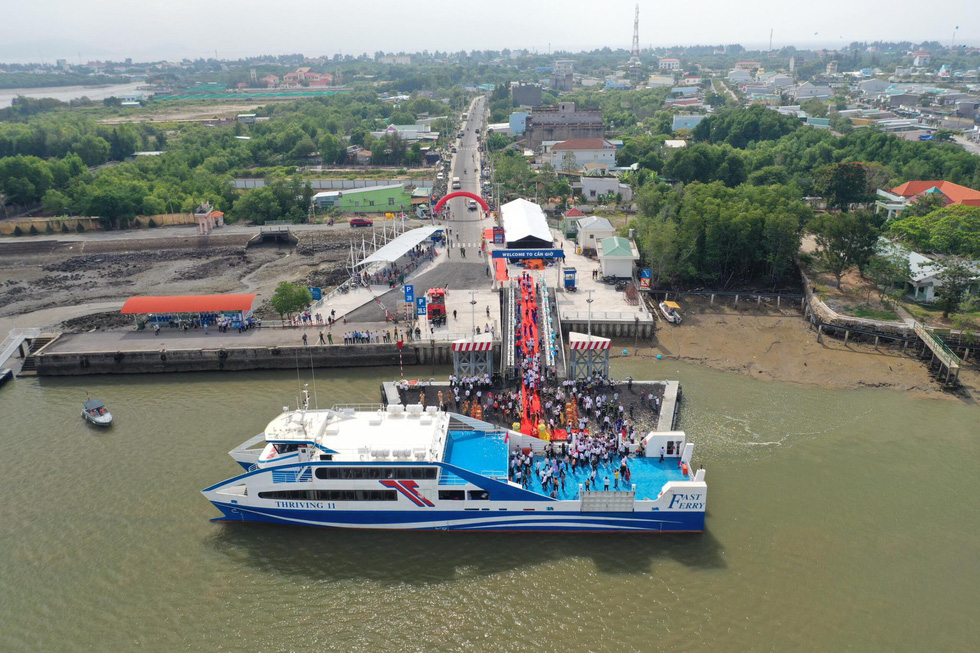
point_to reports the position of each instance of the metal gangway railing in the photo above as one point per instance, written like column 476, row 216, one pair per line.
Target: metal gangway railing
column 14, row 340
column 546, row 324
column 508, row 355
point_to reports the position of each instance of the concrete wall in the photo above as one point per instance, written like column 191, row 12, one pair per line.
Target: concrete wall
column 240, row 359
column 610, row 328
column 89, row 224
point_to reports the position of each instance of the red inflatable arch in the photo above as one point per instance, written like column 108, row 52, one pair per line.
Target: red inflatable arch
column 462, row 193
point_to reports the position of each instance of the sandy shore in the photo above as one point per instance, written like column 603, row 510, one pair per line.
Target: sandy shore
column 770, row 343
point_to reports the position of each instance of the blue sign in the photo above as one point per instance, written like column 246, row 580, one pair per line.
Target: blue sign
column 316, row 293
column 420, row 306
column 528, row 253
column 409, row 294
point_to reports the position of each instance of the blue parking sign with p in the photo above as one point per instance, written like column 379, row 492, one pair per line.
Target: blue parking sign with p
column 409, row 294
column 420, row 306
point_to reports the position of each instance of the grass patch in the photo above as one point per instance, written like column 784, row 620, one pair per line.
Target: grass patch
column 869, row 313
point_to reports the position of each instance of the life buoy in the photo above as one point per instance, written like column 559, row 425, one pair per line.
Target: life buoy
column 684, row 469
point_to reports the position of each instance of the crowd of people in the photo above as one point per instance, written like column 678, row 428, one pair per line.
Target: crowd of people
column 394, row 274
column 594, row 463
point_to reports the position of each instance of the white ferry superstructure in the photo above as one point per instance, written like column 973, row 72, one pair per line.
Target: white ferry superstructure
column 415, row 468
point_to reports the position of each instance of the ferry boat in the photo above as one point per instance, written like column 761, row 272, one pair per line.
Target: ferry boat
column 415, row 468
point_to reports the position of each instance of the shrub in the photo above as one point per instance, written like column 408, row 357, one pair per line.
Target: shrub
column 64, row 228
column 79, row 227
column 137, row 223
column 151, row 224
column 49, row 229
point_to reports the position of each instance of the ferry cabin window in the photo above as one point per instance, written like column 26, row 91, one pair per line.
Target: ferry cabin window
column 451, row 495
column 479, row 495
column 369, row 473
column 331, row 495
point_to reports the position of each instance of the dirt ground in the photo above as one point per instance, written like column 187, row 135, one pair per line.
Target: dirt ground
column 769, row 343
column 33, row 281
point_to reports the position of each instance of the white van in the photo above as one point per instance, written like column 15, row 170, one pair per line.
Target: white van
column 456, row 183
column 471, row 205
column 440, row 176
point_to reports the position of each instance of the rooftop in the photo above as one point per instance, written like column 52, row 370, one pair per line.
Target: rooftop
column 583, row 144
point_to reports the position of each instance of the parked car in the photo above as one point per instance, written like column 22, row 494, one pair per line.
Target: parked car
column 361, row 222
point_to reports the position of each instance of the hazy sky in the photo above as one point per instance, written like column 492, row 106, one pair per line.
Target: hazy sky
column 152, row 29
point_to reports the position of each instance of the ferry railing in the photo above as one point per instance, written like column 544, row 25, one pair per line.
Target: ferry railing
column 361, row 408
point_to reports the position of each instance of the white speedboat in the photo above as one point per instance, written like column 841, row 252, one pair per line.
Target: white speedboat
column 96, row 413
column 671, row 311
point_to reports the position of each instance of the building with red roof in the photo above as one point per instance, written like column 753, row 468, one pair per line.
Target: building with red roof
column 898, row 198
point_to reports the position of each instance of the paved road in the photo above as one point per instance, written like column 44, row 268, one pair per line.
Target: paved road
column 467, row 229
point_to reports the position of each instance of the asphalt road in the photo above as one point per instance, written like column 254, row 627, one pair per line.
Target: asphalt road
column 457, row 273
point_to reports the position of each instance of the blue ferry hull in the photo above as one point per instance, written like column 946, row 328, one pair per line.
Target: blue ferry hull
column 538, row 521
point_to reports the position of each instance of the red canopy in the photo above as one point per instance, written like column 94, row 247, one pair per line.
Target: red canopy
column 188, row 304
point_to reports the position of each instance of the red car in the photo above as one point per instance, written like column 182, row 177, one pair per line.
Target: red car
column 361, row 222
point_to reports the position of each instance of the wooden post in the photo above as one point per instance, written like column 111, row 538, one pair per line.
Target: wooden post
column 876, row 342
column 736, row 300
column 712, row 299
column 847, row 335
column 778, row 298
column 819, row 333
column 758, row 299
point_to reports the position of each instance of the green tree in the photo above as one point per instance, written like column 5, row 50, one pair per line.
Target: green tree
column 886, row 270
column 92, row 149
column 842, row 184
column 955, row 278
column 814, row 107
column 289, row 298
column 845, row 240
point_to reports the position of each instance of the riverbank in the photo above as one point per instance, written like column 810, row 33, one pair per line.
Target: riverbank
column 766, row 342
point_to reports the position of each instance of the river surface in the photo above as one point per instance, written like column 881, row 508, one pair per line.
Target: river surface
column 838, row 519
column 66, row 93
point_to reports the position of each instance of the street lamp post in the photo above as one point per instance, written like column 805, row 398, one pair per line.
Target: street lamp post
column 589, row 302
column 473, row 315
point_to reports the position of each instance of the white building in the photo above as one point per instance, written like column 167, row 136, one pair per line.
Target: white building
column 617, row 257
column 574, row 153
column 739, row 76
column 593, row 229
column 670, row 64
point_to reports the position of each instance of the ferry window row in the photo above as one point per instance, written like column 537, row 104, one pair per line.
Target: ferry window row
column 359, row 473
column 331, row 495
column 460, row 495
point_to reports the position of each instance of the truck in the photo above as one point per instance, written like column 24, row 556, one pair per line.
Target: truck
column 436, row 306
column 456, row 183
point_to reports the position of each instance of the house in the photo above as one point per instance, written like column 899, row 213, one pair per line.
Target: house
column 574, row 153
column 518, row 119
column 691, row 80
column 808, row 90
column 593, row 188
column 739, row 76
column 685, row 121
column 591, row 230
column 872, row 86
column 920, row 58
column 373, row 199
column 777, row 80
column 399, row 60
column 657, row 81
column 270, row 80
column 617, row 256
column 896, row 199
column 747, row 65
column 569, row 222
column 670, row 64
